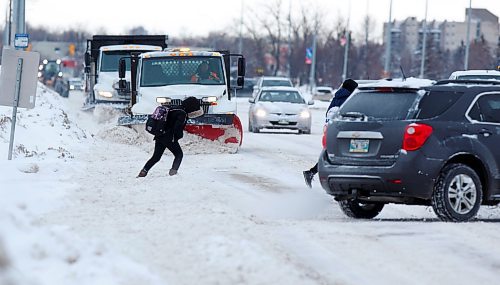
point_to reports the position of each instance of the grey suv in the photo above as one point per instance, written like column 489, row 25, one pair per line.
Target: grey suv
column 438, row 145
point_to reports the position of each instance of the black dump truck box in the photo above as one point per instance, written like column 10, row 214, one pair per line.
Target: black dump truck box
column 98, row 41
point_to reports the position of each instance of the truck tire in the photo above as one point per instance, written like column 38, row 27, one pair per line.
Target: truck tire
column 457, row 193
column 356, row 209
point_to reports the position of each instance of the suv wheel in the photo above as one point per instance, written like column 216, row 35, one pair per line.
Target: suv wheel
column 359, row 210
column 457, row 193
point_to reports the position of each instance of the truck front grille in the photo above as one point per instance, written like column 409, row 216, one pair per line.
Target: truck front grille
column 178, row 102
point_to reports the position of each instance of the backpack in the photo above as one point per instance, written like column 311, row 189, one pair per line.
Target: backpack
column 157, row 122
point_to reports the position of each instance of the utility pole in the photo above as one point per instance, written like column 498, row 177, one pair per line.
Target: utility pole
column 240, row 44
column 312, row 76
column 346, row 49
column 18, row 25
column 467, row 41
column 424, row 42
column 387, row 65
column 289, row 50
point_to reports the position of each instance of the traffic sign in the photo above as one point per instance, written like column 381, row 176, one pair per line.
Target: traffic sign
column 21, row 41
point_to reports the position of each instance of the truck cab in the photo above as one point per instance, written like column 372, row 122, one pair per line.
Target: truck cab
column 107, row 68
column 171, row 76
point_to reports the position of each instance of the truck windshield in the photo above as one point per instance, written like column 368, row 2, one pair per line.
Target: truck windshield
column 110, row 59
column 201, row 70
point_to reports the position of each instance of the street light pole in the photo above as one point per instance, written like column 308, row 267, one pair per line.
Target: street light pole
column 240, row 45
column 312, row 75
column 387, row 65
column 467, row 41
column 346, row 49
column 424, row 42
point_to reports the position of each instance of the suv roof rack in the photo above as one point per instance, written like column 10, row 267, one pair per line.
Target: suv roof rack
column 468, row 81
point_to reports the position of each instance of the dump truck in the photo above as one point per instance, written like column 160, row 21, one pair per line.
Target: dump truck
column 169, row 76
column 101, row 65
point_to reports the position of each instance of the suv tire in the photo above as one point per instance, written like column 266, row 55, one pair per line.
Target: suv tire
column 457, row 193
column 356, row 209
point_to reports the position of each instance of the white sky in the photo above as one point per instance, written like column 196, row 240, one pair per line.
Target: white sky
column 197, row 17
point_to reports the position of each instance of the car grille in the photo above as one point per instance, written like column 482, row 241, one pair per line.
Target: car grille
column 283, row 124
column 204, row 105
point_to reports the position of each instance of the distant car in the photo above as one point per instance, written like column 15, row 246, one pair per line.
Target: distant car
column 434, row 145
column 475, row 75
column 323, row 93
column 279, row 108
column 271, row 81
column 76, row 84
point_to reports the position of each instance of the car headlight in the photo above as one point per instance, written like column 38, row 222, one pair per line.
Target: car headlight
column 72, row 87
column 39, row 74
column 305, row 114
column 261, row 113
column 105, row 94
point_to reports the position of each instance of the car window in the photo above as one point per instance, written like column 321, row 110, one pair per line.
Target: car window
column 489, row 106
column 474, row 113
column 271, row 82
column 479, row 77
column 384, row 106
column 281, row 96
column 436, row 102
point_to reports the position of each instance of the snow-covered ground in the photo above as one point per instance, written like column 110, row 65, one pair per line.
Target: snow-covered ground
column 72, row 212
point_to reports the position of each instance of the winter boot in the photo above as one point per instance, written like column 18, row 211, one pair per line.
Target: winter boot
column 308, row 177
column 143, row 173
column 172, row 172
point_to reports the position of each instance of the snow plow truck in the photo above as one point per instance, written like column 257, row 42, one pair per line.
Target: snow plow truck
column 101, row 66
column 167, row 77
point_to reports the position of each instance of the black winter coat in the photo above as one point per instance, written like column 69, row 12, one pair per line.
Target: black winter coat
column 176, row 121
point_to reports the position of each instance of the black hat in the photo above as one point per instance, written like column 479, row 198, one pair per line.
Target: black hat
column 191, row 104
column 350, row 85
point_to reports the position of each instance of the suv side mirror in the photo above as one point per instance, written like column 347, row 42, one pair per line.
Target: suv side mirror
column 122, row 68
column 310, row 102
column 251, row 100
column 241, row 67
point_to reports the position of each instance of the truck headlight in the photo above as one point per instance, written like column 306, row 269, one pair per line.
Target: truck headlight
column 72, row 87
column 105, row 94
column 261, row 113
column 39, row 74
column 209, row 99
column 163, row 100
column 305, row 114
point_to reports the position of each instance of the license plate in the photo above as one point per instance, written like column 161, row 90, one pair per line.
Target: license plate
column 359, row 146
column 283, row 122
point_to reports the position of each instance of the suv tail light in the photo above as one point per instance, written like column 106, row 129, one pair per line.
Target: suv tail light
column 415, row 136
column 323, row 139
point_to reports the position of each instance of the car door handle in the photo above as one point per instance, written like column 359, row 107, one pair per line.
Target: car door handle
column 485, row 133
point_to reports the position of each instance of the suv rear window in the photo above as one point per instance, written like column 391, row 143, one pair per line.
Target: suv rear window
column 436, row 102
column 386, row 106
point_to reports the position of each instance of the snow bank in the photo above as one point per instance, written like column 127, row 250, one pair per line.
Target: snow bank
column 36, row 181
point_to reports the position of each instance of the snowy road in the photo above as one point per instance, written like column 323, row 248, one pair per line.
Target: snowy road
column 247, row 218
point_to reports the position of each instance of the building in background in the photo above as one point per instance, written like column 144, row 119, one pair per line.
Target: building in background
column 443, row 39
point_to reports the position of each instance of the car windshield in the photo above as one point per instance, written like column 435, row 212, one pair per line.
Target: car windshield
column 384, row 106
column 274, row 82
column 281, row 96
column 51, row 67
column 110, row 59
column 479, row 77
column 202, row 70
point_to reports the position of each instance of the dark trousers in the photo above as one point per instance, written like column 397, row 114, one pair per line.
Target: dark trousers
column 314, row 169
column 160, row 147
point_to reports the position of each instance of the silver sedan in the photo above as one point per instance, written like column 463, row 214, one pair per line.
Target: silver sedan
column 279, row 108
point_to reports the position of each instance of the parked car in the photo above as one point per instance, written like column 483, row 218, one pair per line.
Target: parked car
column 432, row 146
column 279, row 108
column 475, row 75
column 322, row 93
column 270, row 81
